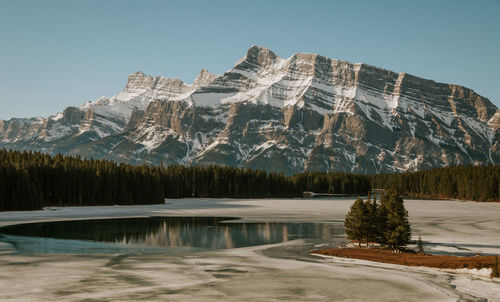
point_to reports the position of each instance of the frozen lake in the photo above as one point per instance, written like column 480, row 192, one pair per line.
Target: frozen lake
column 161, row 235
column 273, row 268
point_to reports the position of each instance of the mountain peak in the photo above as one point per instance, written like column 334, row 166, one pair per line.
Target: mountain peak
column 138, row 79
column 258, row 56
column 258, row 49
column 205, row 78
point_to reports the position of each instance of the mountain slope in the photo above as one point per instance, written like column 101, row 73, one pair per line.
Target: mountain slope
column 306, row 112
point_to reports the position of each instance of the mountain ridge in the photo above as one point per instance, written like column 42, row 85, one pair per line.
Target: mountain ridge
column 306, row 112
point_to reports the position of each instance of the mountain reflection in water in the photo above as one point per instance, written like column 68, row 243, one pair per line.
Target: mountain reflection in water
column 175, row 232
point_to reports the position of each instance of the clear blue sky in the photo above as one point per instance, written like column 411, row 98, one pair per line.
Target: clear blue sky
column 55, row 54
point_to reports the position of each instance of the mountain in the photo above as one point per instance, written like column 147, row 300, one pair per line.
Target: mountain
column 304, row 113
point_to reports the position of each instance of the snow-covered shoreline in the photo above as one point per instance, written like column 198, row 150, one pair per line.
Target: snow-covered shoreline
column 472, row 281
column 251, row 273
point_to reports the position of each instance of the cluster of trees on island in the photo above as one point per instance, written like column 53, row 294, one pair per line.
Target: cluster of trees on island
column 385, row 223
column 32, row 180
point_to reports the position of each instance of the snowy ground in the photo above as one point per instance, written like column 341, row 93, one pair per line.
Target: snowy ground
column 266, row 273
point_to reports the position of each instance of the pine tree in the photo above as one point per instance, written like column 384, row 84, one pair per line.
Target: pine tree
column 355, row 221
column 397, row 232
column 373, row 218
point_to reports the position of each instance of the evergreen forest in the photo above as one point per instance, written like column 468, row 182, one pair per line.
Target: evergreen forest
column 33, row 180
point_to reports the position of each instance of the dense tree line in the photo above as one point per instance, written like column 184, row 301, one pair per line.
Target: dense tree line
column 481, row 183
column 333, row 183
column 32, row 180
column 385, row 223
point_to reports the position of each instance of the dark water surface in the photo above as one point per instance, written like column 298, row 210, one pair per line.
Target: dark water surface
column 156, row 234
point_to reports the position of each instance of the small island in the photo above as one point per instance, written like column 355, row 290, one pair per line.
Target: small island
column 385, row 231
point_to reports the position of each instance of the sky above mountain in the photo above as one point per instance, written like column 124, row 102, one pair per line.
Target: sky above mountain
column 54, row 54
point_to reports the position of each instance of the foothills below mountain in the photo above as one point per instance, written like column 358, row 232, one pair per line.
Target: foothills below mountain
column 304, row 113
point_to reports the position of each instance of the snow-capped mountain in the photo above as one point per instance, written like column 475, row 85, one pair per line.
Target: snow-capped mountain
column 306, row 112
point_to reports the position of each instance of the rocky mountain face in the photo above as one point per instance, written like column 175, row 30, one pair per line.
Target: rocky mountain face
column 304, row 113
